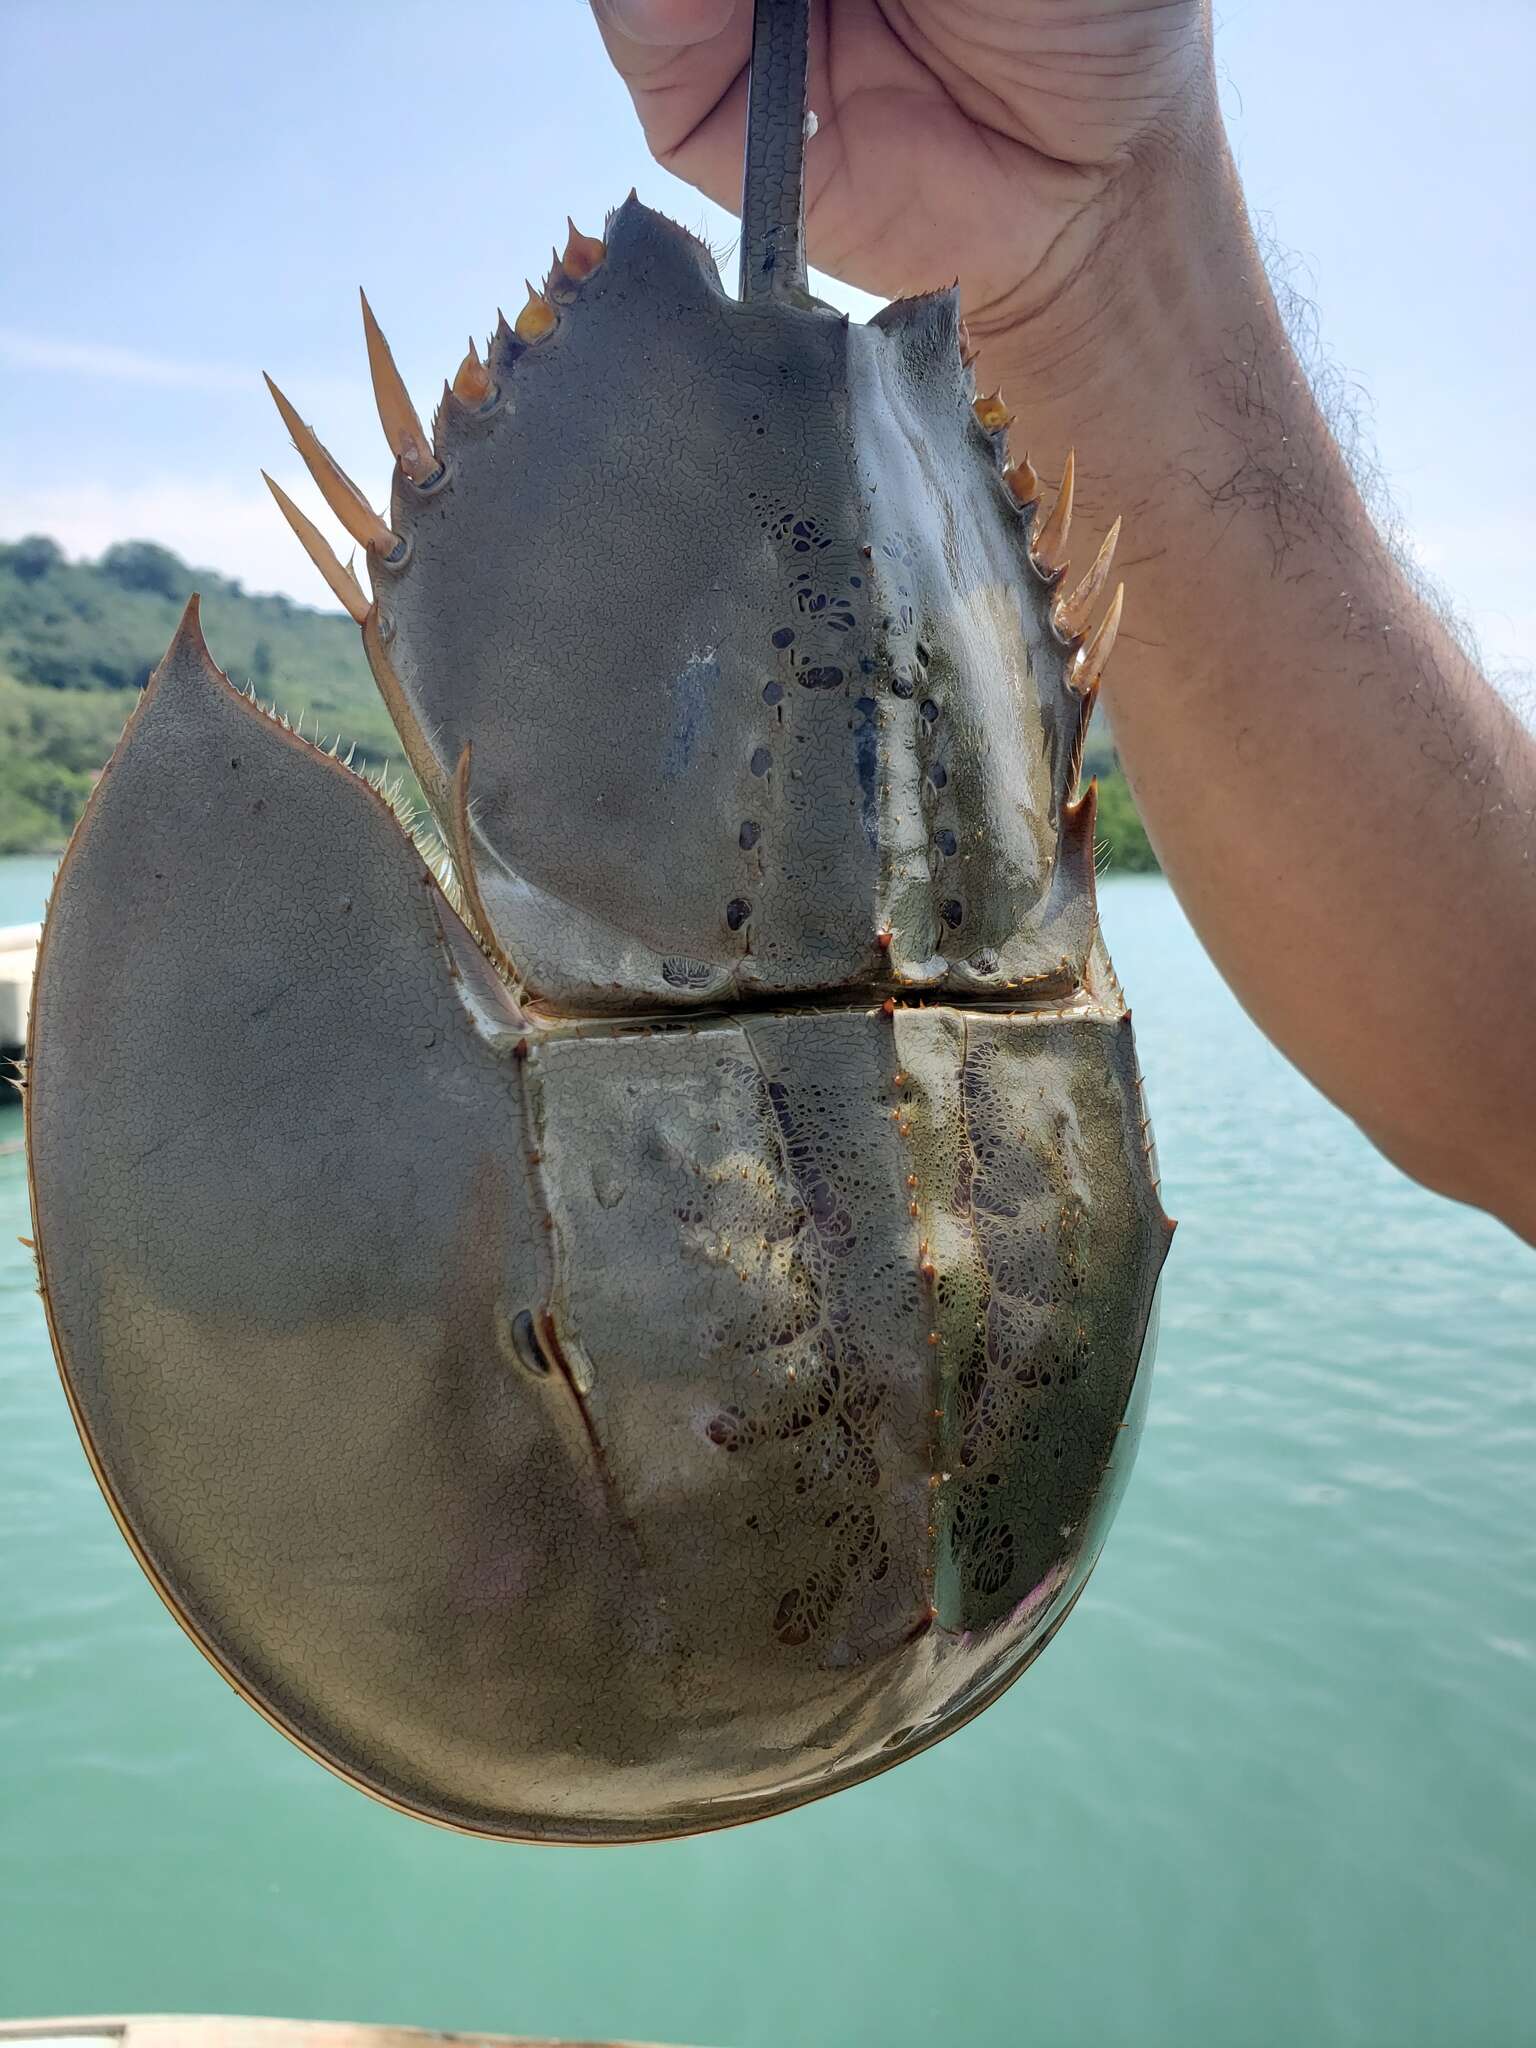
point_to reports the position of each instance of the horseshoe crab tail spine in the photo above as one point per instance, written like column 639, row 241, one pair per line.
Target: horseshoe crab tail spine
column 773, row 182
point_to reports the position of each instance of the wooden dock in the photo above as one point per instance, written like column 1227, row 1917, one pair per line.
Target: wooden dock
column 145, row 2030
column 18, row 956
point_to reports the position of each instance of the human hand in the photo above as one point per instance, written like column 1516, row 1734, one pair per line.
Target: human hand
column 1000, row 142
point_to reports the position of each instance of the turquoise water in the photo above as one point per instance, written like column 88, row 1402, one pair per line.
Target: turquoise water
column 1274, row 1784
column 24, row 885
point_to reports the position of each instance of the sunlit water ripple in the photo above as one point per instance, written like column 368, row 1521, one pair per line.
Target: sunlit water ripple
column 1275, row 1783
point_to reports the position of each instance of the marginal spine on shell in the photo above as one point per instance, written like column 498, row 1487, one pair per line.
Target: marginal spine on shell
column 344, row 585
column 537, row 320
column 1048, row 544
column 398, row 417
column 1023, row 483
column 472, row 380
column 583, row 253
column 1093, row 658
column 1084, row 674
column 992, row 413
column 336, row 487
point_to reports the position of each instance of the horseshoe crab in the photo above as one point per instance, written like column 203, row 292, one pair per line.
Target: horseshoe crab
column 653, row 1328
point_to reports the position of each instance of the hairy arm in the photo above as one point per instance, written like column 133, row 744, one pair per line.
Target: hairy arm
column 1344, row 805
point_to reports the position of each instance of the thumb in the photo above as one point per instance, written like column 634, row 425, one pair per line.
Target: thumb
column 667, row 24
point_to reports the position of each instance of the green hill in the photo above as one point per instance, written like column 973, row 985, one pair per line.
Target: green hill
column 78, row 640
column 1120, row 832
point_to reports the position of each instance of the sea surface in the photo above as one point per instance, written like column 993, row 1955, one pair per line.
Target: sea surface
column 1275, row 1783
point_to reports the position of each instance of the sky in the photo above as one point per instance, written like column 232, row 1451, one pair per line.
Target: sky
column 194, row 192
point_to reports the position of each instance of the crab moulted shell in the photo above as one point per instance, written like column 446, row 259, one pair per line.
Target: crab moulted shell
column 655, row 1329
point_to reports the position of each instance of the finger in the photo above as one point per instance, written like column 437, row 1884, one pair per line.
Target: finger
column 685, row 63
column 664, row 24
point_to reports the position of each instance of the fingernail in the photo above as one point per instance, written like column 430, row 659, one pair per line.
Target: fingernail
column 670, row 23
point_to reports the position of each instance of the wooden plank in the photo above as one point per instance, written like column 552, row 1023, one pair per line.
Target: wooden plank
column 18, row 954
column 214, row 2031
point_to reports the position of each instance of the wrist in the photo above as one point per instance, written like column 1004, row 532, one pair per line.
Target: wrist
column 1111, row 353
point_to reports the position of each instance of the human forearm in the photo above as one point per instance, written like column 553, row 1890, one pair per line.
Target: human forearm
column 1344, row 805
